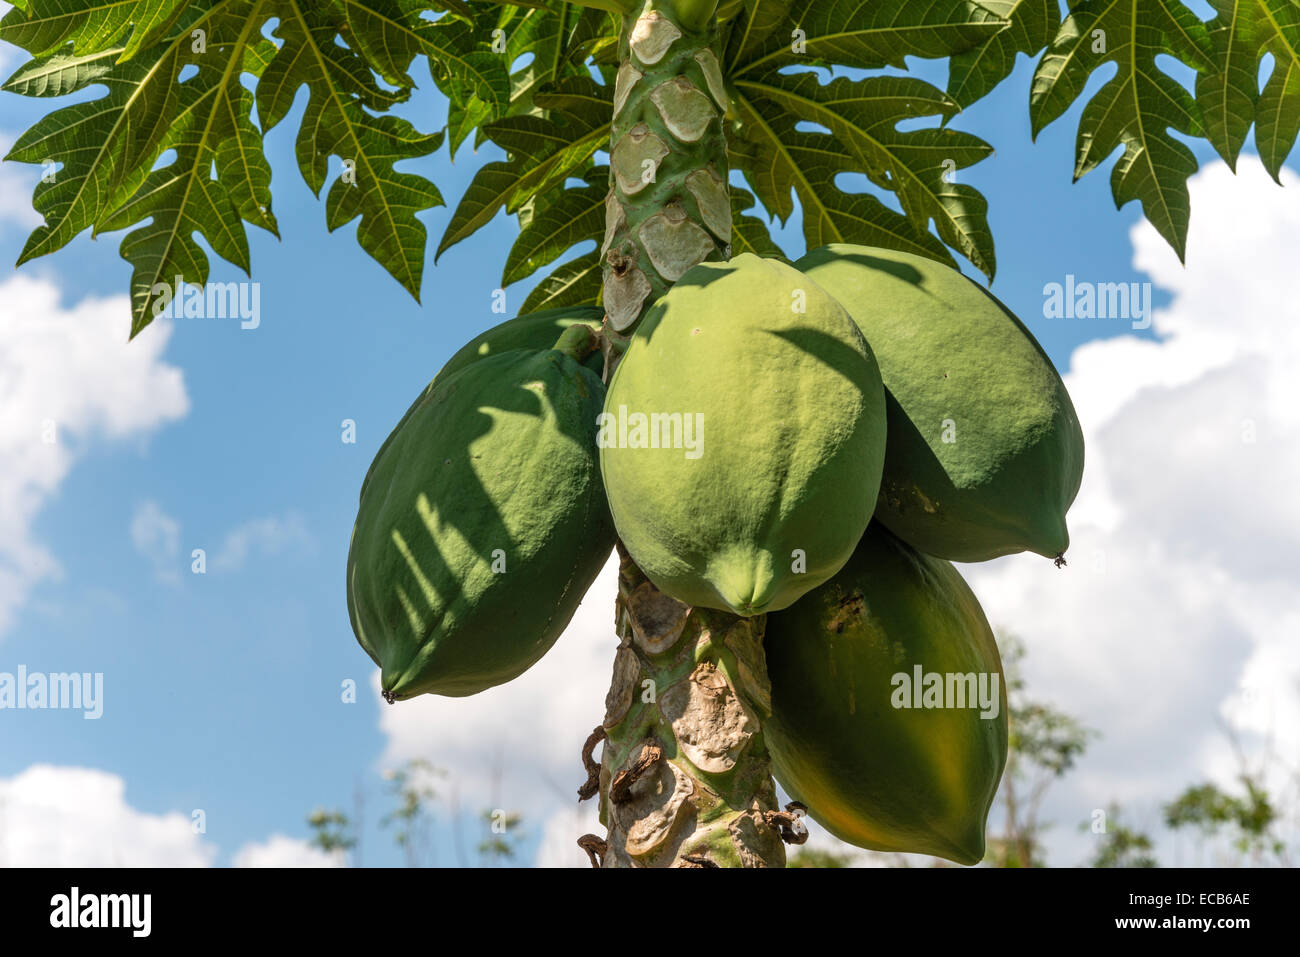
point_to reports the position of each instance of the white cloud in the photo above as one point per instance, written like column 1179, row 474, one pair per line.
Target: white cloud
column 78, row 817
column 53, row 816
column 157, row 536
column 1178, row 609
column 518, row 746
column 281, row 851
column 68, row 376
column 269, row 536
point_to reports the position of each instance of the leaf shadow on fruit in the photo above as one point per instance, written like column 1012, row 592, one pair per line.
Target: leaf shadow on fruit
column 898, row 269
column 536, row 331
column 830, row 350
column 697, row 277
column 705, row 277
column 454, row 498
column 904, row 442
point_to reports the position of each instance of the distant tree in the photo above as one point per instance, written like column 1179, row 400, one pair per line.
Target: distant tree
column 504, row 837
column 1120, row 845
column 413, row 821
column 1248, row 821
column 413, row 818
column 332, row 831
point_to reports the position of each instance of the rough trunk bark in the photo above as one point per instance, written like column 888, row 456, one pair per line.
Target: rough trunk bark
column 684, row 778
column 668, row 206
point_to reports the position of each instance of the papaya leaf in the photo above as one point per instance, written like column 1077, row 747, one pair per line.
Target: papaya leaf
column 755, row 146
column 1229, row 96
column 974, row 73
column 544, row 150
column 1277, row 115
column 151, row 21
column 458, row 7
column 782, row 159
column 576, row 216
column 809, row 163
column 61, row 74
column 594, row 36
column 862, row 118
column 1137, row 107
column 492, row 187
column 537, row 35
column 790, row 134
column 391, row 33
column 459, row 53
column 91, row 26
column 749, row 234
column 850, row 33
column 181, row 199
column 340, row 121
column 553, row 148
column 144, row 109
column 556, row 40
column 574, row 283
column 212, row 130
column 466, row 119
column 77, row 196
column 106, row 151
column 757, row 22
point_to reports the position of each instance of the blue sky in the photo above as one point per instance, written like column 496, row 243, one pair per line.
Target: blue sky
column 222, row 691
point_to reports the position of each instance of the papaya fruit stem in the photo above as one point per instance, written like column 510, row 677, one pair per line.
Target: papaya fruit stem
column 577, row 341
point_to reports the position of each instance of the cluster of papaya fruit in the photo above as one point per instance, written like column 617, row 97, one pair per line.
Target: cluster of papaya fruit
column 816, row 442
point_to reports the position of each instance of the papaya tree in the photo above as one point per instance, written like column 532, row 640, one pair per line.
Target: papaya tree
column 668, row 134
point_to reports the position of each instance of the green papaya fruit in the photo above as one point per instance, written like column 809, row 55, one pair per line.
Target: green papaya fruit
column 481, row 526
column 985, row 453
column 743, row 437
column 846, row 736
column 534, row 330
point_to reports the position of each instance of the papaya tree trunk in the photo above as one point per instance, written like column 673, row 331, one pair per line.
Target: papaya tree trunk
column 668, row 206
column 684, row 779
